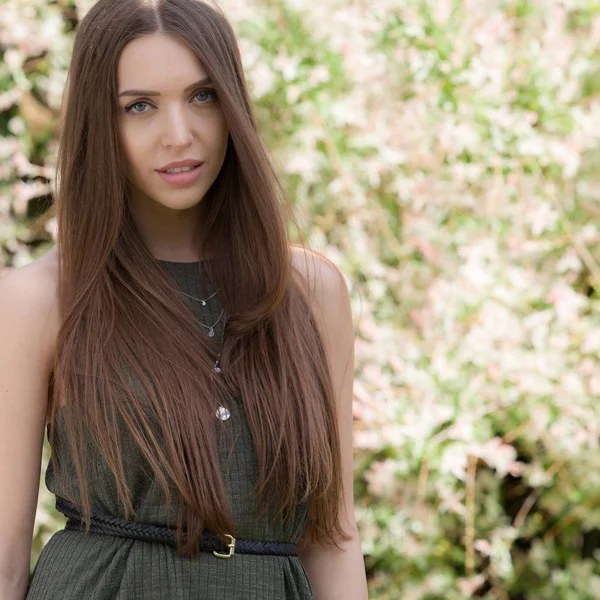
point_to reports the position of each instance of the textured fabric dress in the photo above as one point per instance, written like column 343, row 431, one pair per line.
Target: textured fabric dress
column 76, row 565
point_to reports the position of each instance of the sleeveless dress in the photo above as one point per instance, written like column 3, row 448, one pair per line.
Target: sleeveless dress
column 78, row 566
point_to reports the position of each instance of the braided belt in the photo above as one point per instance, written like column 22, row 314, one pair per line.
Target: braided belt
column 111, row 525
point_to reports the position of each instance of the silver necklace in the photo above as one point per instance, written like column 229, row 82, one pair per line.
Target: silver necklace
column 222, row 413
column 201, row 300
column 211, row 328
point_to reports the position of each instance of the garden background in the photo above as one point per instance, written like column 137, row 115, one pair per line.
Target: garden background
column 444, row 154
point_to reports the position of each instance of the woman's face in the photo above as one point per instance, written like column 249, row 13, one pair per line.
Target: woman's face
column 170, row 118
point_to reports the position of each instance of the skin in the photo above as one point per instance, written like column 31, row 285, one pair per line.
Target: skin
column 176, row 125
column 336, row 574
column 181, row 122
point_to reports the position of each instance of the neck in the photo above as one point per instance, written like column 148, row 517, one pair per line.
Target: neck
column 170, row 234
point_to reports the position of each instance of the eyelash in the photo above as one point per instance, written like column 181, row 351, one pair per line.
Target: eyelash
column 129, row 109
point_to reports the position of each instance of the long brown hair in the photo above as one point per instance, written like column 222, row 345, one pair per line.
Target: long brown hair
column 121, row 316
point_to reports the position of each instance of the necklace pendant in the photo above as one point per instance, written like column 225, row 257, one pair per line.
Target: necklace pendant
column 203, row 302
column 223, row 413
column 211, row 333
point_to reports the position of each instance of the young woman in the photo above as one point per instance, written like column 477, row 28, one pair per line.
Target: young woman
column 192, row 368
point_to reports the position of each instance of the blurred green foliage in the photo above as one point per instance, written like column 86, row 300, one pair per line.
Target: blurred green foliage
column 444, row 154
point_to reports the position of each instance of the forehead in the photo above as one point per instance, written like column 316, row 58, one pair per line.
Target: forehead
column 158, row 62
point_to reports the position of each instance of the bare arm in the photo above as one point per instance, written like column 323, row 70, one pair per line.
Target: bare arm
column 337, row 574
column 26, row 346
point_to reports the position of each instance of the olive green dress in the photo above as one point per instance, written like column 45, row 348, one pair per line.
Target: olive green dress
column 76, row 565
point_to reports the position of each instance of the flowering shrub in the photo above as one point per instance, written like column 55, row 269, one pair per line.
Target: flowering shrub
column 444, row 155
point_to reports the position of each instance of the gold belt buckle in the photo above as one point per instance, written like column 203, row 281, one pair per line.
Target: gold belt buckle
column 231, row 547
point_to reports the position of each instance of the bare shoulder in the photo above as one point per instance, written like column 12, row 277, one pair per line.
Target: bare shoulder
column 29, row 297
column 34, row 284
column 320, row 274
column 327, row 291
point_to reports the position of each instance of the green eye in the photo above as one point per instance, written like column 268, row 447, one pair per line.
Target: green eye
column 133, row 110
column 204, row 101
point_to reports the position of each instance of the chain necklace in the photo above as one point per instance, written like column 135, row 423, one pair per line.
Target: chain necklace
column 222, row 413
column 216, row 366
column 201, row 300
column 211, row 328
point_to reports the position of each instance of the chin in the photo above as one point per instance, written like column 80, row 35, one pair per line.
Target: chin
column 175, row 200
column 181, row 204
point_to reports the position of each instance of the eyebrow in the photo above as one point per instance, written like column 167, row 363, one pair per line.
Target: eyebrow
column 189, row 88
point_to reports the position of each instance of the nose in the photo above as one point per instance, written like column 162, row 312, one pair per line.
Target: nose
column 178, row 133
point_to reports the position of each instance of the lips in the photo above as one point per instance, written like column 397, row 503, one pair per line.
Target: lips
column 191, row 162
column 181, row 178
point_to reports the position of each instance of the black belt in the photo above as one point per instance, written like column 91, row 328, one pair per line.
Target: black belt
column 111, row 525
